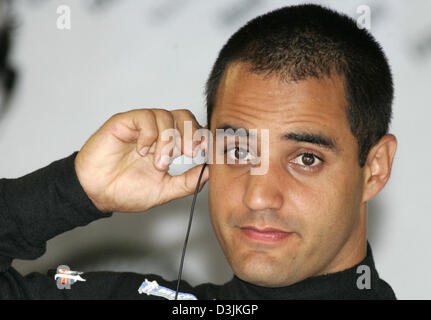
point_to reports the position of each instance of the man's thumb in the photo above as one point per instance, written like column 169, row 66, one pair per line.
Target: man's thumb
column 185, row 184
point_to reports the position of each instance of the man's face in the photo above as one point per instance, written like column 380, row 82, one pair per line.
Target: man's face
column 303, row 217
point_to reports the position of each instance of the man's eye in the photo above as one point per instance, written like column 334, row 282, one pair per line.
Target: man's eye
column 238, row 153
column 307, row 160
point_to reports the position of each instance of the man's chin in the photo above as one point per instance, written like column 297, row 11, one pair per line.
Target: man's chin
column 262, row 281
column 264, row 273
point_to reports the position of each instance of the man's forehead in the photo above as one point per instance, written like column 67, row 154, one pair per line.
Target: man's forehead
column 239, row 85
column 242, row 91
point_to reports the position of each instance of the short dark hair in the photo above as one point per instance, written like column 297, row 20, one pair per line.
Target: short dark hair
column 304, row 41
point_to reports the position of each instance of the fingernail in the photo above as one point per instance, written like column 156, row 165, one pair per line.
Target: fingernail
column 144, row 150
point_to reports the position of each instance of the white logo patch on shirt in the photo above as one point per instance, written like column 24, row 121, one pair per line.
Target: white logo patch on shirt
column 154, row 289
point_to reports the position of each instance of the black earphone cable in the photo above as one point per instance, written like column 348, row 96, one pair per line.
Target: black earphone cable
column 188, row 231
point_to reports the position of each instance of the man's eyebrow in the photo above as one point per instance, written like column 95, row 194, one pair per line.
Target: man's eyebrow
column 242, row 132
column 315, row 138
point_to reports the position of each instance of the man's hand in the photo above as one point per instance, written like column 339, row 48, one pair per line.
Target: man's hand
column 122, row 168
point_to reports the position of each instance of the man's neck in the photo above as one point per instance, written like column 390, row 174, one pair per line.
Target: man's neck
column 353, row 251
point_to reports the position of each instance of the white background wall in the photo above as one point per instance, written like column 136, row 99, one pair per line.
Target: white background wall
column 124, row 54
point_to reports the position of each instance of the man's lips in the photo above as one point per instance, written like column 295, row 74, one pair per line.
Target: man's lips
column 266, row 234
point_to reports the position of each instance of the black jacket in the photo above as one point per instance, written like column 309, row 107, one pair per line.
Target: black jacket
column 50, row 201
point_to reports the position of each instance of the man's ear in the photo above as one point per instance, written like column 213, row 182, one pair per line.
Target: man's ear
column 378, row 166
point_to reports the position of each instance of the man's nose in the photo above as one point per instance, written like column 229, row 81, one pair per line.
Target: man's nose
column 264, row 191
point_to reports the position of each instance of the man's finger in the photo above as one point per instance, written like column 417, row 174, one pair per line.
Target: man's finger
column 184, row 185
column 145, row 121
column 165, row 146
column 187, row 125
column 136, row 126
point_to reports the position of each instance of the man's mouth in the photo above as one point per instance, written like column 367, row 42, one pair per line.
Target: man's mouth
column 269, row 235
